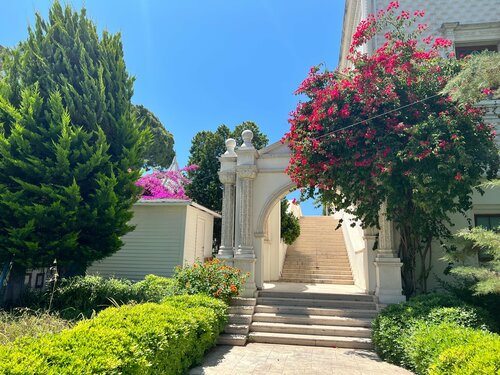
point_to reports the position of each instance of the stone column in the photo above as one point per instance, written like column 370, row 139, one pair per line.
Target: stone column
column 246, row 171
column 227, row 176
column 387, row 263
column 369, row 238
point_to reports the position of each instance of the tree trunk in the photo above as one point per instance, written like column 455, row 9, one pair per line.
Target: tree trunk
column 15, row 286
column 408, row 250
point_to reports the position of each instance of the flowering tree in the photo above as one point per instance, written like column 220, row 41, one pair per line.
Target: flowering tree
column 165, row 184
column 380, row 131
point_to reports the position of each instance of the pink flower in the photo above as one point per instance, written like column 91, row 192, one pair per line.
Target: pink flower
column 488, row 92
column 458, row 176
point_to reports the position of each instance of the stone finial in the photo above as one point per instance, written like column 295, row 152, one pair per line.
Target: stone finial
column 230, row 145
column 247, row 136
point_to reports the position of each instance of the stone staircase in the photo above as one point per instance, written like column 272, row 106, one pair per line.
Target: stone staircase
column 240, row 318
column 318, row 255
column 313, row 319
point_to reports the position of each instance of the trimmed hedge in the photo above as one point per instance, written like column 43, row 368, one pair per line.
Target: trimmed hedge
column 427, row 342
column 474, row 358
column 395, row 323
column 149, row 338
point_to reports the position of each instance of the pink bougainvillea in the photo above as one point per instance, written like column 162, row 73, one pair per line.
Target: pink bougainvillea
column 381, row 131
column 165, row 184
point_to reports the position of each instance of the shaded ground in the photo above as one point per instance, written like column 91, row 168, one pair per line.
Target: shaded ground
column 271, row 359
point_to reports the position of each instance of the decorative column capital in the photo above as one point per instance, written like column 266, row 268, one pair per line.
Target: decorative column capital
column 227, row 177
column 247, row 171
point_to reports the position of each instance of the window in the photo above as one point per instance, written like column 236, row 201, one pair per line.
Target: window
column 462, row 51
column 491, row 222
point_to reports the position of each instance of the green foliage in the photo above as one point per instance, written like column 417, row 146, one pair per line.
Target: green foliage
column 479, row 72
column 85, row 295
column 150, row 338
column 30, row 323
column 160, row 151
column 394, row 324
column 206, row 148
column 290, row 227
column 212, row 278
column 153, row 288
column 477, row 357
column 68, row 138
column 486, row 277
column 427, row 342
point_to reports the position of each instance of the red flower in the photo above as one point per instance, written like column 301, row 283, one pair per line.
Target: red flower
column 488, row 92
column 458, row 176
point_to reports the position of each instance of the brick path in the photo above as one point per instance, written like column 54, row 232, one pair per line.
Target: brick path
column 271, row 359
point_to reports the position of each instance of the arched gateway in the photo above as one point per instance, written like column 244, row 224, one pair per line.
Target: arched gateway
column 254, row 181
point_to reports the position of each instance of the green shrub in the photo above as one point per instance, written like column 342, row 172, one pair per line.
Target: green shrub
column 84, row 295
column 26, row 322
column 148, row 338
column 212, row 278
column 153, row 288
column 393, row 325
column 474, row 358
column 427, row 342
column 290, row 227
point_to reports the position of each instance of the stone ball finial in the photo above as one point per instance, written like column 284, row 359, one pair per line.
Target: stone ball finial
column 247, row 136
column 230, row 146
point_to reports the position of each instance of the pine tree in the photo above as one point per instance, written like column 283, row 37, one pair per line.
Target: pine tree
column 160, row 152
column 71, row 146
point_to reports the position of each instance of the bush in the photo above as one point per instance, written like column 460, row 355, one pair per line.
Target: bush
column 427, row 342
column 290, row 227
column 84, row 295
column 31, row 323
column 394, row 324
column 212, row 278
column 153, row 288
column 149, row 338
column 474, row 358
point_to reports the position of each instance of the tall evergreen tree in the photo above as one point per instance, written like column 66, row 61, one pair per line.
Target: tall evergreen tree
column 71, row 146
column 206, row 148
column 160, row 151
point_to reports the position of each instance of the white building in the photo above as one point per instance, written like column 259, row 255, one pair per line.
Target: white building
column 168, row 233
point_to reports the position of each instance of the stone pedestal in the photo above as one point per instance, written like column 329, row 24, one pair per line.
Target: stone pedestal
column 247, row 265
column 387, row 263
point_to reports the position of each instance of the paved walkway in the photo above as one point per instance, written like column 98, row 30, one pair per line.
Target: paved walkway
column 271, row 359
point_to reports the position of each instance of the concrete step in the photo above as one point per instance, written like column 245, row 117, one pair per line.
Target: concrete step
column 324, row 303
column 232, row 339
column 319, row 274
column 239, row 319
column 243, row 301
column 238, row 329
column 311, row 329
column 318, row 296
column 297, row 310
column 311, row 320
column 310, row 340
column 316, row 270
column 317, row 281
column 241, row 310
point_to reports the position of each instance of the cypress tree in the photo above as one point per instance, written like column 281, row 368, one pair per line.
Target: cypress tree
column 71, row 147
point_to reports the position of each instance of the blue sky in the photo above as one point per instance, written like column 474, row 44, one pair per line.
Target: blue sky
column 199, row 64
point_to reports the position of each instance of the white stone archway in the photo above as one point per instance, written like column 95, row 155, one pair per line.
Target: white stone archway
column 254, row 181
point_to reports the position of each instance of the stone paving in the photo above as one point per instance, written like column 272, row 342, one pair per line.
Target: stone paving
column 272, row 359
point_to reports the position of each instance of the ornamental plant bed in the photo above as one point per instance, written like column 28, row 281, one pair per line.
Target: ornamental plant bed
column 149, row 338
